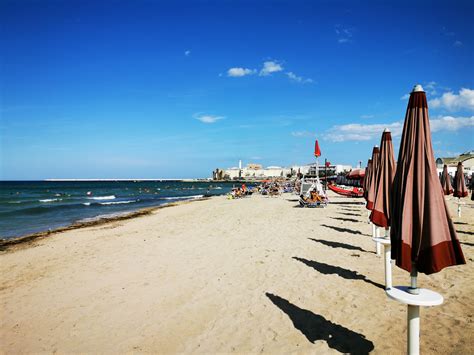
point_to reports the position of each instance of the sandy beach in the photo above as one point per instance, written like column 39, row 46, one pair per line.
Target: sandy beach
column 253, row 275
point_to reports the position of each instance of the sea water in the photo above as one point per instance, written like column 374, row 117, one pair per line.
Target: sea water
column 33, row 206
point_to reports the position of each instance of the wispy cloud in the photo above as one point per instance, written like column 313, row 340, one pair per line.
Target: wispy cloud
column 449, row 123
column 207, row 118
column 238, row 72
column 299, row 79
column 187, row 53
column 405, row 97
column 457, row 44
column 430, row 88
column 303, row 134
column 367, row 116
column 363, row 132
column 464, row 100
column 344, row 34
column 270, row 67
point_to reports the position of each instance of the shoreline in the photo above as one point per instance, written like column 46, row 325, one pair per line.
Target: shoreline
column 7, row 244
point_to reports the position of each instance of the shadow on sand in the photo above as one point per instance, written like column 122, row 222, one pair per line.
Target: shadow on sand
column 343, row 230
column 468, row 244
column 327, row 269
column 465, row 232
column 346, row 219
column 339, row 245
column 315, row 327
column 350, row 214
column 348, row 203
column 461, row 223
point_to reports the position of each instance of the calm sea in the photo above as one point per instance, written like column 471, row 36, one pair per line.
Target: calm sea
column 34, row 206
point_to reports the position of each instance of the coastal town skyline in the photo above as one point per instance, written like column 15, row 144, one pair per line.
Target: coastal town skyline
column 143, row 89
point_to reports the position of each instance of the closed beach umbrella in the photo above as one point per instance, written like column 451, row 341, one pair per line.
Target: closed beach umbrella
column 422, row 232
column 460, row 189
column 380, row 215
column 446, row 181
column 373, row 182
column 317, row 151
column 368, row 172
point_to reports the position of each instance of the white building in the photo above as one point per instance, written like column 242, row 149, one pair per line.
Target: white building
column 257, row 171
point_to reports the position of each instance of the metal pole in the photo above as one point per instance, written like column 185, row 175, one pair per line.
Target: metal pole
column 459, row 207
column 413, row 289
column 325, row 174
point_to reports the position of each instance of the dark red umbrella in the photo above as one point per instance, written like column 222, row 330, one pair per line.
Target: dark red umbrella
column 460, row 189
column 373, row 176
column 380, row 215
column 368, row 172
column 422, row 232
column 356, row 174
column 317, row 151
column 446, row 181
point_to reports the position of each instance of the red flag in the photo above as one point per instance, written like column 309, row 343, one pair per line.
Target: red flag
column 317, row 151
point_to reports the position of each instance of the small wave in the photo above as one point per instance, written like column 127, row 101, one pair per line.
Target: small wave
column 183, row 197
column 51, row 200
column 111, row 197
column 86, row 203
column 117, row 202
column 218, row 188
column 15, row 201
column 103, row 216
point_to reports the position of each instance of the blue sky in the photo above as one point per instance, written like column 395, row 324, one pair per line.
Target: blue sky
column 145, row 89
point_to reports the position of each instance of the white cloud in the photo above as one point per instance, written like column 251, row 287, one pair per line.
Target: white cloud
column 457, row 44
column 454, row 102
column 208, row 118
column 298, row 79
column 430, row 88
column 363, row 132
column 367, row 116
column 405, row 97
column 270, row 67
column 303, row 134
column 344, row 34
column 187, row 53
column 237, row 72
column 449, row 123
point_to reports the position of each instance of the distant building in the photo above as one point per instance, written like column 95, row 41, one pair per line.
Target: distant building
column 258, row 172
column 467, row 160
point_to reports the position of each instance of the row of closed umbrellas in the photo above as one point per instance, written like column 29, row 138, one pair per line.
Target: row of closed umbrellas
column 407, row 199
column 408, row 196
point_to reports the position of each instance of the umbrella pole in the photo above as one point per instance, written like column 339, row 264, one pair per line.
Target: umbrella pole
column 459, row 207
column 388, row 262
column 413, row 289
column 413, row 319
column 376, row 234
column 413, row 322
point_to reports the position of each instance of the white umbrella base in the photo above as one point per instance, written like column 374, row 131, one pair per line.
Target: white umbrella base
column 425, row 298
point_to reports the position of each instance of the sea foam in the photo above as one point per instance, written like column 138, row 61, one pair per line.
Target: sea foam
column 111, row 197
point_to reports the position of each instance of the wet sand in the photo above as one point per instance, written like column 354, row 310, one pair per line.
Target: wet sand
column 252, row 275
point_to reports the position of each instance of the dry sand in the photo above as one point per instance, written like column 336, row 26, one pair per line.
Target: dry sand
column 251, row 275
